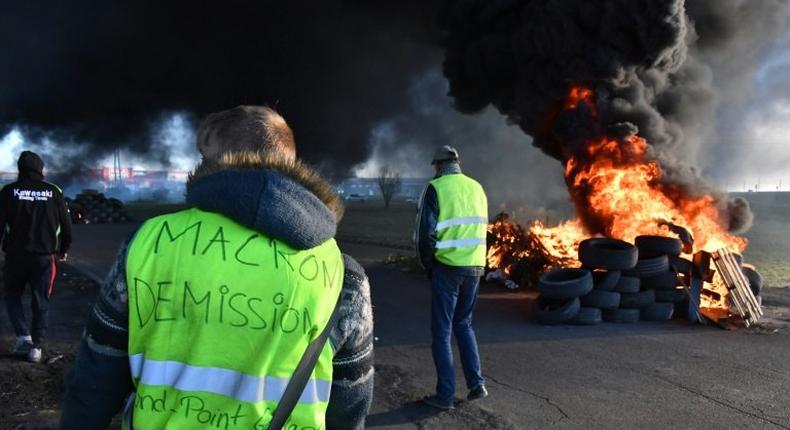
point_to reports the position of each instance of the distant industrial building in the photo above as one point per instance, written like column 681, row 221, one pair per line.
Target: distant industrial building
column 124, row 183
column 139, row 184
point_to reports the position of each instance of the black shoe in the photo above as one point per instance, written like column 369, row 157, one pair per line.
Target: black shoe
column 477, row 393
column 435, row 402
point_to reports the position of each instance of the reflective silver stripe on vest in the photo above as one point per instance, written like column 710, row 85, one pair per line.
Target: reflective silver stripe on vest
column 225, row 382
column 461, row 221
column 459, row 243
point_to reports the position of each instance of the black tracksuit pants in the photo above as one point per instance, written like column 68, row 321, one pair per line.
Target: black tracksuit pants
column 39, row 272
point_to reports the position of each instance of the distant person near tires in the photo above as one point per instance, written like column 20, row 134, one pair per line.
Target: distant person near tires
column 451, row 247
column 35, row 228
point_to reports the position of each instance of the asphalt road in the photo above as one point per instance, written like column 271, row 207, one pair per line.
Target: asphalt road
column 646, row 375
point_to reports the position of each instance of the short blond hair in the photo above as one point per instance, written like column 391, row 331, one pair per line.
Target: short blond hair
column 246, row 128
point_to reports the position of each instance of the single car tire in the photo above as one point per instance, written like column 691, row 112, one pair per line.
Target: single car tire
column 609, row 254
column 664, row 281
column 672, row 296
column 601, row 299
column 738, row 259
column 605, row 280
column 587, row 316
column 680, row 264
column 647, row 267
column 564, row 284
column 621, row 315
column 628, row 284
column 637, row 300
column 651, row 246
column 657, row 312
column 551, row 312
column 755, row 280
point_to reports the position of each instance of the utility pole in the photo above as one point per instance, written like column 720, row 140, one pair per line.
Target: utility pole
column 117, row 178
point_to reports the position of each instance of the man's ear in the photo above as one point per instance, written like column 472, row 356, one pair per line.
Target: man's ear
column 204, row 146
column 201, row 147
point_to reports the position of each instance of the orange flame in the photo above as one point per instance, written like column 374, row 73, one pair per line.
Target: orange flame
column 618, row 185
column 623, row 188
column 579, row 95
column 507, row 243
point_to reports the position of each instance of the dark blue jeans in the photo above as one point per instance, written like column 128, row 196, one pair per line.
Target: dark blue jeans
column 39, row 272
column 452, row 302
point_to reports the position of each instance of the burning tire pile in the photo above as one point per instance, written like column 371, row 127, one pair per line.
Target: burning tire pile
column 621, row 282
column 91, row 206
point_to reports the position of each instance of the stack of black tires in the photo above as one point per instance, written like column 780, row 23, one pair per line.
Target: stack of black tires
column 593, row 293
column 619, row 282
column 559, row 302
column 616, row 293
column 623, row 283
column 662, row 293
column 96, row 208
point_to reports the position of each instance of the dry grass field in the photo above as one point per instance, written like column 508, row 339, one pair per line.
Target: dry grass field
column 769, row 238
column 370, row 221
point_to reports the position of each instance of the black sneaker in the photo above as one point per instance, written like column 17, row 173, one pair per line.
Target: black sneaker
column 435, row 402
column 477, row 393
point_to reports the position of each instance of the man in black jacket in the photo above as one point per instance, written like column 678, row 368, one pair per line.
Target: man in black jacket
column 34, row 228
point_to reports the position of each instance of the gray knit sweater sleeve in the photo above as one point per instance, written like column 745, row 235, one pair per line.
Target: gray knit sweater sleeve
column 352, row 340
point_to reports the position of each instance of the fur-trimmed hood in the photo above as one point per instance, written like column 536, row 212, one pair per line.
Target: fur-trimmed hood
column 280, row 198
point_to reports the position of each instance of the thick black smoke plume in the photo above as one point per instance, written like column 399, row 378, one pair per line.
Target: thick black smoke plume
column 98, row 73
column 637, row 55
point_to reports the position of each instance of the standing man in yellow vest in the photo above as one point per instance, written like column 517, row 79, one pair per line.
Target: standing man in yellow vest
column 451, row 246
column 212, row 314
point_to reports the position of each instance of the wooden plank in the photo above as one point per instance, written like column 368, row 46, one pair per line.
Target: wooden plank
column 741, row 295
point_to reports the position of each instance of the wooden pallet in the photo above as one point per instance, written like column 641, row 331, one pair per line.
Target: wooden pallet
column 743, row 301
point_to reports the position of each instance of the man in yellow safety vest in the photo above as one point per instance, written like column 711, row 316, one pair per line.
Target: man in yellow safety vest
column 451, row 246
column 228, row 314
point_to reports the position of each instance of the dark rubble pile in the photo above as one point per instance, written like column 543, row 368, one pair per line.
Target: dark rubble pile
column 91, row 206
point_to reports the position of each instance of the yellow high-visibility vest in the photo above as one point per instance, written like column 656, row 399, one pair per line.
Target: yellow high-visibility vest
column 219, row 317
column 462, row 222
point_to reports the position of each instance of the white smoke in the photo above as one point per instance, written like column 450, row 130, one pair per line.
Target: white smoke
column 10, row 146
column 171, row 148
column 517, row 177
